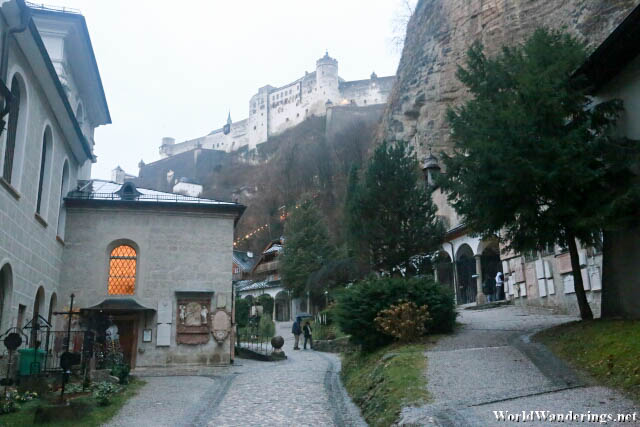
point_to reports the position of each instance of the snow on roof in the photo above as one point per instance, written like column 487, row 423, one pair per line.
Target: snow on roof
column 243, row 260
column 98, row 189
column 274, row 248
column 261, row 285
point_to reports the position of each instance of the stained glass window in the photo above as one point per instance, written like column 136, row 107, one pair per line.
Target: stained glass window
column 122, row 271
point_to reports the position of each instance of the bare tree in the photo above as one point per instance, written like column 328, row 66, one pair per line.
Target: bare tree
column 399, row 22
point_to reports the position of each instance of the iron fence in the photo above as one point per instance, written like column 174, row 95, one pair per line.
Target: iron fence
column 250, row 338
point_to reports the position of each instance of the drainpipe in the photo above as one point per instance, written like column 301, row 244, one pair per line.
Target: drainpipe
column 6, row 92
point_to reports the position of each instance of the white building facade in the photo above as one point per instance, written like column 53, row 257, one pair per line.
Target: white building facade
column 49, row 66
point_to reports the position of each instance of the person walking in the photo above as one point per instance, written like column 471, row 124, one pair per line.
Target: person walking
column 499, row 286
column 296, row 330
column 489, row 289
column 307, row 336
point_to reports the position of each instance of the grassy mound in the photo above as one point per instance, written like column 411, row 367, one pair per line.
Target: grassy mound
column 609, row 350
column 381, row 383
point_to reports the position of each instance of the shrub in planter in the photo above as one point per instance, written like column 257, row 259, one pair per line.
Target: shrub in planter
column 358, row 306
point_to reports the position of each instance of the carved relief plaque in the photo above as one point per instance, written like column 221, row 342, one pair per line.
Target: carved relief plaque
column 193, row 315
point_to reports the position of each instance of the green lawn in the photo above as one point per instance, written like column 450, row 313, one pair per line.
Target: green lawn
column 97, row 415
column 609, row 350
column 383, row 382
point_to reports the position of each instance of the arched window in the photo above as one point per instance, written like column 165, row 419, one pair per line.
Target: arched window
column 12, row 129
column 6, row 277
column 62, row 212
column 45, row 165
column 122, row 270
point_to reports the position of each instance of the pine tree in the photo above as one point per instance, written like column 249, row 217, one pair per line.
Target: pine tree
column 390, row 217
column 534, row 159
column 306, row 249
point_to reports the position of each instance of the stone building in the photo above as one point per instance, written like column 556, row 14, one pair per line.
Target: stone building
column 158, row 265
column 613, row 71
column 417, row 112
column 57, row 101
column 275, row 109
column 264, row 279
column 150, row 268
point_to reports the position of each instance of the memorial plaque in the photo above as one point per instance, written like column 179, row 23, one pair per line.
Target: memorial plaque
column 542, row 288
column 551, row 287
column 165, row 309
column 564, row 263
column 539, row 269
column 594, row 278
column 585, row 279
column 163, row 338
column 567, row 281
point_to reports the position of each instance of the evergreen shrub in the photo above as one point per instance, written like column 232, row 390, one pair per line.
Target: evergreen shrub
column 242, row 308
column 266, row 327
column 359, row 305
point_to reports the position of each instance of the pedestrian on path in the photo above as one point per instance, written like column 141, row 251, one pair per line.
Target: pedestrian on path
column 307, row 336
column 296, row 330
column 488, row 289
column 499, row 284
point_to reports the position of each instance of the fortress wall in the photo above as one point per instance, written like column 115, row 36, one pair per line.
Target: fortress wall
column 340, row 118
column 367, row 92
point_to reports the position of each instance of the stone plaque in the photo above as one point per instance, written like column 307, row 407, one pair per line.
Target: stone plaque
column 585, row 279
column 221, row 300
column 564, row 263
column 519, row 273
column 165, row 309
column 221, row 325
column 539, row 269
column 594, row 278
column 551, row 287
column 567, row 281
column 530, row 274
column 163, row 336
column 542, row 288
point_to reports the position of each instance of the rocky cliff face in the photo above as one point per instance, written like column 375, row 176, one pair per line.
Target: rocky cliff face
column 441, row 31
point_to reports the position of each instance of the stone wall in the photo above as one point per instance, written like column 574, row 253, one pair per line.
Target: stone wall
column 196, row 164
column 177, row 250
column 438, row 36
column 342, row 117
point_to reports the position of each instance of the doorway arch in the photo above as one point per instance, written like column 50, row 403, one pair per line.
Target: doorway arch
column 466, row 269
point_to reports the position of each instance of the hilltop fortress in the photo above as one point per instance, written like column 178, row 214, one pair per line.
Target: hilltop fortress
column 273, row 110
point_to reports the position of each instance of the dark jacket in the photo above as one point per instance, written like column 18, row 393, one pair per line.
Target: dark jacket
column 307, row 330
column 296, row 328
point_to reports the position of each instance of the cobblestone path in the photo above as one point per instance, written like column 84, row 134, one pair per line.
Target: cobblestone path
column 303, row 390
column 490, row 365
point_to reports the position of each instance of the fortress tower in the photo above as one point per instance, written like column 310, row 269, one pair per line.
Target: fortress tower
column 327, row 79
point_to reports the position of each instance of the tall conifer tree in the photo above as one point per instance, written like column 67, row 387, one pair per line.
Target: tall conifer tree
column 534, row 159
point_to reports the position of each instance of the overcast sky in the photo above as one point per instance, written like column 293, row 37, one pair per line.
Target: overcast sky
column 177, row 68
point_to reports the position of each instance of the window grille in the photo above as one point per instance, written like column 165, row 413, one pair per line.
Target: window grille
column 122, row 271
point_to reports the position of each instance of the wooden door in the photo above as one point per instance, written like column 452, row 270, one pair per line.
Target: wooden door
column 127, row 329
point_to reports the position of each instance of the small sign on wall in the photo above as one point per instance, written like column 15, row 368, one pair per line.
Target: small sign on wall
column 146, row 335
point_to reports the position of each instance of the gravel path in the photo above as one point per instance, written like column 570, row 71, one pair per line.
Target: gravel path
column 491, row 365
column 304, row 390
